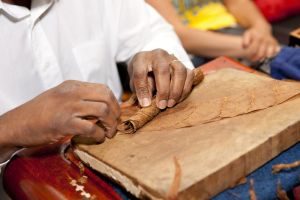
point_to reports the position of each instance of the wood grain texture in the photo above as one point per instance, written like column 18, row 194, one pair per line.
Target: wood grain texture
column 212, row 156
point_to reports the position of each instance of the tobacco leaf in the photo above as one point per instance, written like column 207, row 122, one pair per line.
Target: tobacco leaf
column 224, row 94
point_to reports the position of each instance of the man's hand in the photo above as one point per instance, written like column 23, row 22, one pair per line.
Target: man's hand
column 259, row 43
column 72, row 108
column 161, row 72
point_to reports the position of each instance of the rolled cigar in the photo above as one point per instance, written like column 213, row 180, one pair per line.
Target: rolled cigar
column 145, row 115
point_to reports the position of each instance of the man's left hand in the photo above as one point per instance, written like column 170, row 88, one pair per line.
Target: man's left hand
column 159, row 71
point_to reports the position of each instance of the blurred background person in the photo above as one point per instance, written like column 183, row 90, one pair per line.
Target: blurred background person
column 212, row 28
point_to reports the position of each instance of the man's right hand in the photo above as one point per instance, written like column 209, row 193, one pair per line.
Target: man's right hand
column 59, row 112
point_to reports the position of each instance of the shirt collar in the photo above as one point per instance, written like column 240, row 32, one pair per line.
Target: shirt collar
column 16, row 13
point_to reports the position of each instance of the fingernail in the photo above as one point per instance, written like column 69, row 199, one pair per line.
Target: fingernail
column 146, row 102
column 162, row 104
column 171, row 103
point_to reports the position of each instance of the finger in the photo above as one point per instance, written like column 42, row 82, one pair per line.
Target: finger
column 253, row 49
column 87, row 131
column 187, row 85
column 247, row 37
column 271, row 51
column 93, row 92
column 113, row 130
column 261, row 53
column 151, row 85
column 162, row 73
column 79, row 126
column 93, row 109
column 98, row 134
column 140, row 82
column 179, row 73
column 106, row 118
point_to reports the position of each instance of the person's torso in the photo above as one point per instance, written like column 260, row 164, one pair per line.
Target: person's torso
column 69, row 39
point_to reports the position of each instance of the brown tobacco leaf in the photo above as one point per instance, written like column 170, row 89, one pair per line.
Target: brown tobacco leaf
column 252, row 193
column 278, row 168
column 281, row 194
column 224, row 94
column 175, row 186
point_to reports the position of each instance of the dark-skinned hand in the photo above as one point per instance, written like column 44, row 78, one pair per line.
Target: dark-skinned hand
column 62, row 111
column 159, row 71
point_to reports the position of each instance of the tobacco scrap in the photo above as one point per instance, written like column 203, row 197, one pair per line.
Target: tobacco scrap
column 82, row 180
column 174, row 188
column 144, row 115
column 281, row 193
column 252, row 193
column 278, row 168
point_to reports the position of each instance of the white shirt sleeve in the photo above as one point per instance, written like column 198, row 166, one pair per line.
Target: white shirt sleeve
column 141, row 28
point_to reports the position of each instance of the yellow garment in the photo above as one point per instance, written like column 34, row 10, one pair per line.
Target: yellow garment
column 211, row 16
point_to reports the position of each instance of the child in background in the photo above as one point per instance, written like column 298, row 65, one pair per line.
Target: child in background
column 212, row 28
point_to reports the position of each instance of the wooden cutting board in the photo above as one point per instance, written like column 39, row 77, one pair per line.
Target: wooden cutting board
column 250, row 119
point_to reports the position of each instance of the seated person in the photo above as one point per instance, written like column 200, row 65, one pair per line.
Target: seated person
column 58, row 67
column 194, row 21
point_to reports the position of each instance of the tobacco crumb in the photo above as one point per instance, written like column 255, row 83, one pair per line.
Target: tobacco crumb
column 252, row 193
column 281, row 194
column 81, row 168
column 174, row 188
column 82, row 180
column 278, row 168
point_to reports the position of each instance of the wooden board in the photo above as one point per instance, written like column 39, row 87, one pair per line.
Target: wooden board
column 212, row 155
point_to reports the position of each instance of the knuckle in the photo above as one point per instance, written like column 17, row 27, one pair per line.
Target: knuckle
column 108, row 94
column 181, row 70
column 104, row 110
column 163, row 70
column 160, row 52
column 67, row 87
column 138, row 75
column 105, row 88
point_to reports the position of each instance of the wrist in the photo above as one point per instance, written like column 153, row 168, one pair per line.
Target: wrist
column 7, row 147
column 6, row 153
column 7, row 137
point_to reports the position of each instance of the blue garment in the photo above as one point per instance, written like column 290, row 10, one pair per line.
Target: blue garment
column 265, row 183
column 286, row 64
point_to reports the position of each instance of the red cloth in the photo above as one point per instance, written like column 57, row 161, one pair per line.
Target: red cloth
column 296, row 192
column 275, row 10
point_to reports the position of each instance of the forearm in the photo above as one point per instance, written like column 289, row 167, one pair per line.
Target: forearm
column 211, row 44
column 6, row 140
column 247, row 14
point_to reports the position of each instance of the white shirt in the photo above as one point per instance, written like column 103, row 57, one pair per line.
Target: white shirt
column 82, row 40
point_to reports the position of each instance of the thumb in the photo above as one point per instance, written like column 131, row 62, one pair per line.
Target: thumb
column 246, row 39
